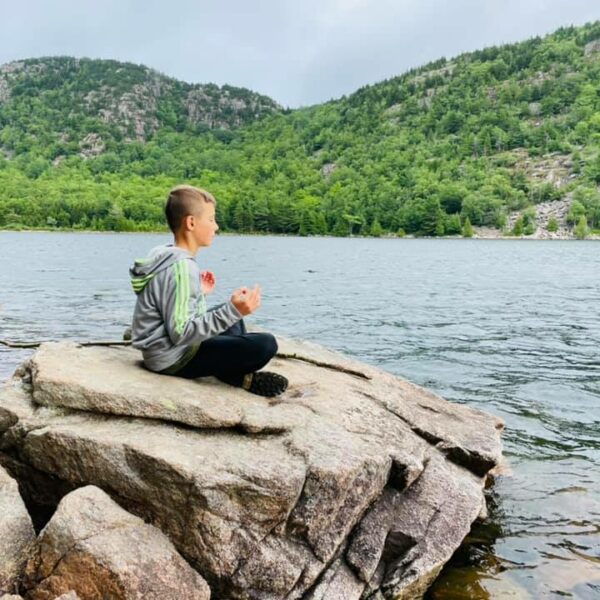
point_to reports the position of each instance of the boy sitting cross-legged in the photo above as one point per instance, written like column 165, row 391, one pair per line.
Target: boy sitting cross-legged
column 171, row 324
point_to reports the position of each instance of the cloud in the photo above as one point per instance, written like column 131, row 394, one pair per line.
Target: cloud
column 296, row 52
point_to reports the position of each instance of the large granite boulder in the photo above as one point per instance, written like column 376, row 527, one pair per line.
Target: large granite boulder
column 94, row 549
column 16, row 534
column 353, row 484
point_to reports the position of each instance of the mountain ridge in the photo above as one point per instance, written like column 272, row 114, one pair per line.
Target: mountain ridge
column 450, row 142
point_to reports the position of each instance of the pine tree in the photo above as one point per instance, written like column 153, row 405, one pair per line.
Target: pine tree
column 376, row 229
column 518, row 226
column 581, row 229
column 552, row 225
column 467, row 230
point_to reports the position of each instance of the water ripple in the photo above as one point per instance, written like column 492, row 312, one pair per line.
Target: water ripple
column 504, row 326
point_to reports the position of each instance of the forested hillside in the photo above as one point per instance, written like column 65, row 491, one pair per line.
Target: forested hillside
column 457, row 143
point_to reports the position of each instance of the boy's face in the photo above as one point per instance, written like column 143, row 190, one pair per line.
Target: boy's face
column 204, row 225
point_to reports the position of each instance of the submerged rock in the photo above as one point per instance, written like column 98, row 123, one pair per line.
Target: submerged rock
column 353, row 483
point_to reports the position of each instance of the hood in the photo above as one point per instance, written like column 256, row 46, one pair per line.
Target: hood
column 158, row 259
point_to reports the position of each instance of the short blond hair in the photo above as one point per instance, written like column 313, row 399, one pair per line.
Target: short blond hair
column 184, row 200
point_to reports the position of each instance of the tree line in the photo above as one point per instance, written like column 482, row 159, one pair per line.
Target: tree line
column 436, row 151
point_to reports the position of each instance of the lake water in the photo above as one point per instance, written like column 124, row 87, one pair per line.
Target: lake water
column 510, row 327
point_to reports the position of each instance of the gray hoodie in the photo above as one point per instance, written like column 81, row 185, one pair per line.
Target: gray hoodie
column 170, row 319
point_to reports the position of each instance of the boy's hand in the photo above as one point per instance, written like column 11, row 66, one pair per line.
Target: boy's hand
column 245, row 300
column 207, row 282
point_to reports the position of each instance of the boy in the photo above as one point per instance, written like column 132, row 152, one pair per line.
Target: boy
column 171, row 325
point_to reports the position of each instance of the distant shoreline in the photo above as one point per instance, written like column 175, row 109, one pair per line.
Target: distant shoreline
column 487, row 235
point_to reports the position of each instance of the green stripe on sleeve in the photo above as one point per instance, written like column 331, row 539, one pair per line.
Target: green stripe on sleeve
column 182, row 294
column 178, row 292
column 202, row 305
column 139, row 283
column 185, row 274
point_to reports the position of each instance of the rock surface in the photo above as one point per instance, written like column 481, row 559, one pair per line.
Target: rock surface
column 353, row 483
column 94, row 549
column 16, row 534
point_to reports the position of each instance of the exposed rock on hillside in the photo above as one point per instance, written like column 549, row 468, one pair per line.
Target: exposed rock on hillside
column 4, row 90
column 134, row 99
column 554, row 168
column 91, row 145
column 544, row 212
column 353, row 484
column 592, row 47
column 423, row 76
column 327, row 169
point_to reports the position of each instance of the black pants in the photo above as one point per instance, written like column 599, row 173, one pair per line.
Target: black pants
column 231, row 355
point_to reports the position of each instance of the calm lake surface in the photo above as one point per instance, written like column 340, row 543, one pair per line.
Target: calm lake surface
column 510, row 327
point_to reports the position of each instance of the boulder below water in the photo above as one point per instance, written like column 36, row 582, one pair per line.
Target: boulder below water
column 353, row 484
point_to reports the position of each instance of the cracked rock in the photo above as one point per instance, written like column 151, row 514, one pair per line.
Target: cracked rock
column 352, row 483
column 16, row 534
column 94, row 549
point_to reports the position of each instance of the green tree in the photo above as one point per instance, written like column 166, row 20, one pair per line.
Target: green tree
column 452, row 225
column 575, row 213
column 467, row 230
column 581, row 229
column 115, row 220
column 433, row 217
column 376, row 229
column 243, row 218
column 529, row 219
column 352, row 221
column 518, row 227
column 552, row 224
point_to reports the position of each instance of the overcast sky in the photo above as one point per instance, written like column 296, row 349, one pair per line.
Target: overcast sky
column 298, row 52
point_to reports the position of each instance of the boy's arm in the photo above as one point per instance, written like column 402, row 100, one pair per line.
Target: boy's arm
column 179, row 298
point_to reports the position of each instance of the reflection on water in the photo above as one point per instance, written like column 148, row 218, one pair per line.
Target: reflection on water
column 541, row 540
column 506, row 326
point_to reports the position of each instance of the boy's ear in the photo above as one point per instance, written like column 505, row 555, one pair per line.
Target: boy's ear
column 188, row 222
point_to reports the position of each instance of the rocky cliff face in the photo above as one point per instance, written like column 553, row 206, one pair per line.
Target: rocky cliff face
column 353, row 484
column 133, row 101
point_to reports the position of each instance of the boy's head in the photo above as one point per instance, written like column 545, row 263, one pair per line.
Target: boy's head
column 191, row 210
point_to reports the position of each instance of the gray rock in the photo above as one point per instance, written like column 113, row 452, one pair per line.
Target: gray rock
column 7, row 420
column 327, row 169
column 337, row 583
column 429, row 522
column 67, row 375
column 16, row 534
column 591, row 47
column 93, row 548
column 314, row 494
